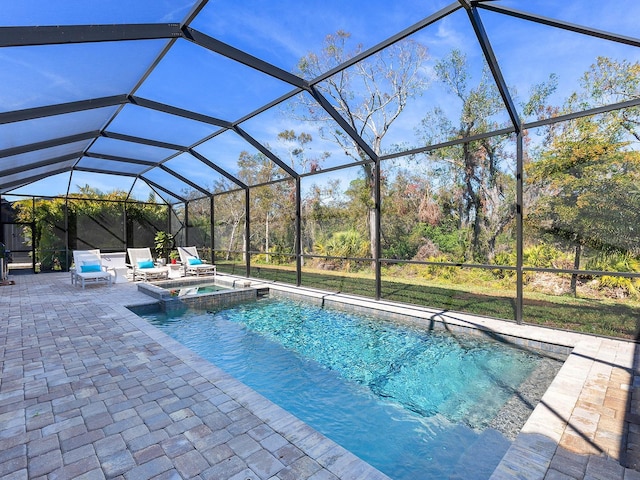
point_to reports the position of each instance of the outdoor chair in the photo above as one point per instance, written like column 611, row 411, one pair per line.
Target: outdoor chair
column 88, row 268
column 73, row 268
column 142, row 265
column 193, row 264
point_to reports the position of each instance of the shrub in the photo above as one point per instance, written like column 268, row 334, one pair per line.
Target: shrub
column 616, row 262
column 543, row 256
column 447, row 242
column 348, row 243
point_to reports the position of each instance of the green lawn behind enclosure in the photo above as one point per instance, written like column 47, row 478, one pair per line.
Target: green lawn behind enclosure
column 601, row 316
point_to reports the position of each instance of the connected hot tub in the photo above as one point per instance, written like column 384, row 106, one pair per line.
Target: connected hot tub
column 201, row 292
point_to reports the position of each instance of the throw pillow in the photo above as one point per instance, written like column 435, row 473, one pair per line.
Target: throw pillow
column 89, row 268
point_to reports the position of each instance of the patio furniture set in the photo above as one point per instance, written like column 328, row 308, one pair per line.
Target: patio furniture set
column 92, row 266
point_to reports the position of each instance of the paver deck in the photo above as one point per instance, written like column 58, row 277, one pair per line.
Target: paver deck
column 90, row 390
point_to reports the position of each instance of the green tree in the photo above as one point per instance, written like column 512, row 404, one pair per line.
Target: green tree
column 229, row 216
column 343, row 245
column 587, row 177
column 588, row 171
column 610, row 81
column 405, row 200
column 47, row 234
column 296, row 147
column 480, row 188
column 370, row 95
column 271, row 204
column 323, row 212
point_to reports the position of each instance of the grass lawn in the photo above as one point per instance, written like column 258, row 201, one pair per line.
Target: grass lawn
column 611, row 317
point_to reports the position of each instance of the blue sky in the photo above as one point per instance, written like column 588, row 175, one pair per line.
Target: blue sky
column 280, row 33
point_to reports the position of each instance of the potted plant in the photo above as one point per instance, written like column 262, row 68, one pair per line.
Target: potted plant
column 163, row 245
column 174, row 256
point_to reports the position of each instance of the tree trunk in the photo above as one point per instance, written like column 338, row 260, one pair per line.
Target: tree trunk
column 245, row 244
column 479, row 253
column 266, row 238
column 576, row 266
column 232, row 238
column 369, row 172
column 373, row 234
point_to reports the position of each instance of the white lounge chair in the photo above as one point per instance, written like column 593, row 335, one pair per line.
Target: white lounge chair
column 142, row 266
column 72, row 269
column 193, row 264
column 88, row 268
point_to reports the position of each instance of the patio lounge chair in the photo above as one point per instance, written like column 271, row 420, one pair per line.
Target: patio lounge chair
column 193, row 264
column 72, row 269
column 142, row 266
column 88, row 268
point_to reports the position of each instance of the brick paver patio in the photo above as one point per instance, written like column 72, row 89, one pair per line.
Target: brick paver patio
column 90, row 390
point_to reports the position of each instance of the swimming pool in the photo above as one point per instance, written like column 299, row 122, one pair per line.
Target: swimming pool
column 413, row 403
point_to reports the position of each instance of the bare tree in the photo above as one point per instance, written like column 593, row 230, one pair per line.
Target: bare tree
column 370, row 95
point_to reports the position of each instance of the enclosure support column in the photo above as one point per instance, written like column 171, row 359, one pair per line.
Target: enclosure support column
column 519, row 226
column 247, row 231
column 378, row 212
column 66, row 233
column 186, row 224
column 125, row 229
column 212, row 230
column 298, row 236
column 34, row 236
column 169, row 210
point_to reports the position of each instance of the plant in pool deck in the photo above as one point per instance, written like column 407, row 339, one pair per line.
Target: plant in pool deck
column 163, row 244
column 174, row 256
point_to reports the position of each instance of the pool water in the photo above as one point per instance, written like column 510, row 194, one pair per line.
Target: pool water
column 186, row 289
column 415, row 404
